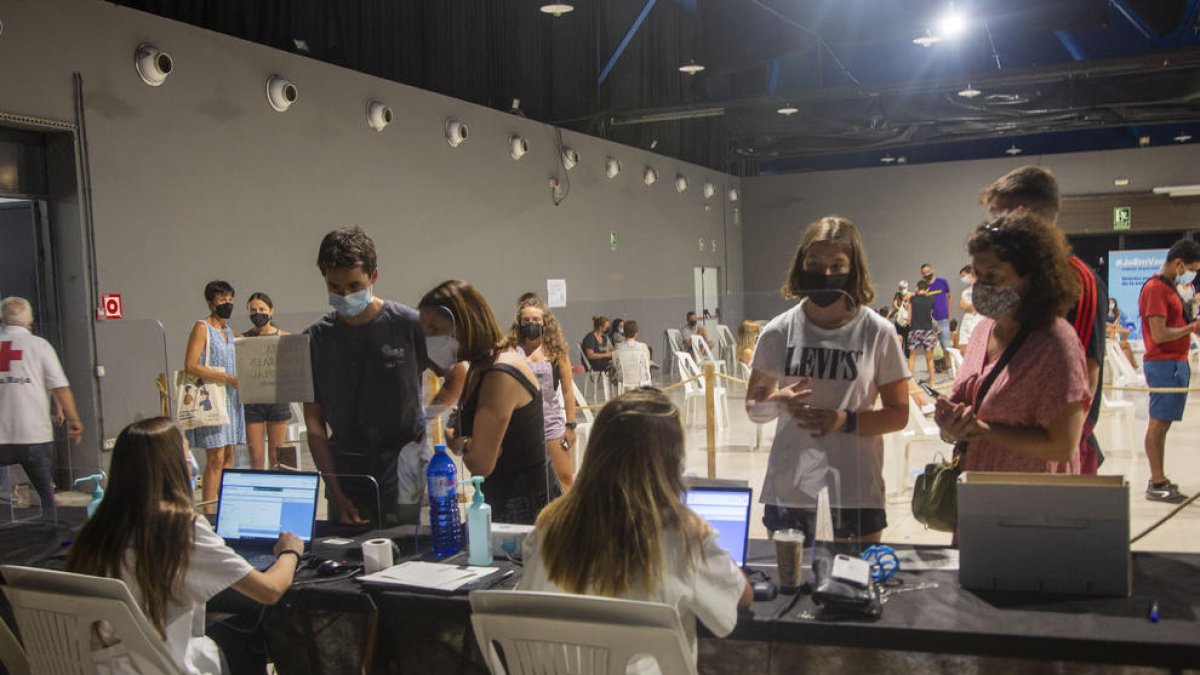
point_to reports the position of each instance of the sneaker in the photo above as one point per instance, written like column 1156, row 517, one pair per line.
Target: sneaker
column 1164, row 492
column 928, row 409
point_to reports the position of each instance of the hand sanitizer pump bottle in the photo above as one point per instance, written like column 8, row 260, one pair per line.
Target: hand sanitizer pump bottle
column 479, row 527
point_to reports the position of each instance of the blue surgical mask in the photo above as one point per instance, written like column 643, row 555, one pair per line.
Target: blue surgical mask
column 1186, row 278
column 965, row 280
column 352, row 304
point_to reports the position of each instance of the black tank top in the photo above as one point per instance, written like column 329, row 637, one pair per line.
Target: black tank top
column 521, row 483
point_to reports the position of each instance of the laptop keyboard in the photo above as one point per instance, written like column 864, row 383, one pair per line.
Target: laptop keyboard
column 260, row 561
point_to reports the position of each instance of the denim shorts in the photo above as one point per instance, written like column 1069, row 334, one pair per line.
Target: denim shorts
column 268, row 412
column 1167, row 407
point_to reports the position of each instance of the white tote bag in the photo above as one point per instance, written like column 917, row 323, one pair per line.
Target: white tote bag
column 200, row 403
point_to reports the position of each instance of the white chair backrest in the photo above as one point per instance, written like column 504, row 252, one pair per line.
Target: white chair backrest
column 674, row 338
column 56, row 612
column 633, row 367
column 581, row 405
column 12, row 654
column 701, row 351
column 725, row 336
column 1116, row 358
column 542, row 633
column 583, row 359
column 744, row 371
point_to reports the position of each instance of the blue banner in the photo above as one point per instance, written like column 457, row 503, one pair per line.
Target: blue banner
column 1127, row 272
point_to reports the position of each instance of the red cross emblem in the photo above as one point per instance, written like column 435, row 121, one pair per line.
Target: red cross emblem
column 8, row 355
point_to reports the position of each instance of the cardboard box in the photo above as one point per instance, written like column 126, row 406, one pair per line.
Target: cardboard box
column 1044, row 532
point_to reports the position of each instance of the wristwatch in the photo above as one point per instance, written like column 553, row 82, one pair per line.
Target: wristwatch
column 851, row 425
column 571, row 425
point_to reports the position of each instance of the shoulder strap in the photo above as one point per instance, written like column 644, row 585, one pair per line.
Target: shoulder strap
column 514, row 373
column 960, row 448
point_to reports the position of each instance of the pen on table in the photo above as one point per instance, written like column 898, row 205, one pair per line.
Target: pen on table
column 1153, row 615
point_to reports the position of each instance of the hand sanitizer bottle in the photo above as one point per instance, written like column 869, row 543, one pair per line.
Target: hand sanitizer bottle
column 479, row 527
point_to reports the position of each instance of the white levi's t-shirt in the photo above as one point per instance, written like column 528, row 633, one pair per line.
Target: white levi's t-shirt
column 29, row 369
column 847, row 365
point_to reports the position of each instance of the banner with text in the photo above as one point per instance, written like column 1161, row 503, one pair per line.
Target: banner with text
column 1127, row 272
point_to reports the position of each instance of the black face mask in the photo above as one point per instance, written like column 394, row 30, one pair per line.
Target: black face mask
column 927, row 277
column 225, row 310
column 259, row 320
column 824, row 289
column 531, row 331
column 691, row 323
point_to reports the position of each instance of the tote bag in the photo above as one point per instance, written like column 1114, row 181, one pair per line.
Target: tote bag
column 200, row 403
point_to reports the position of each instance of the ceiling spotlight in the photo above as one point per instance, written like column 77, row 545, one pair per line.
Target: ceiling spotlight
column 1013, row 150
column 570, row 158
column 1121, row 182
column 969, row 92
column 788, row 109
column 456, row 132
column 281, row 94
column 1183, row 137
column 709, row 190
column 927, row 40
column 887, row 159
column 691, row 67
column 902, row 160
column 557, row 9
column 952, row 24
column 649, row 176
column 1143, row 141
column 681, row 183
column 152, row 65
column 612, row 167
column 378, row 115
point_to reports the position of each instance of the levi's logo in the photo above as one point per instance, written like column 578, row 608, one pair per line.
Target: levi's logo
column 823, row 363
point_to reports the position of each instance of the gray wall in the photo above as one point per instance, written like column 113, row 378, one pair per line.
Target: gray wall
column 200, row 179
column 920, row 213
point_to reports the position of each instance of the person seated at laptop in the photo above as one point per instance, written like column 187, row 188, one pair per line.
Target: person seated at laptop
column 622, row 531
column 147, row 534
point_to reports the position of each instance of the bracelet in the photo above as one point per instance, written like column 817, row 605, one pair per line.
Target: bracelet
column 851, row 425
column 287, row 551
column 947, row 438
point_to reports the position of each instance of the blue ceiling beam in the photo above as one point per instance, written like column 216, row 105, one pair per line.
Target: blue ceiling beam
column 773, row 76
column 1132, row 17
column 1070, row 44
column 689, row 5
column 637, row 23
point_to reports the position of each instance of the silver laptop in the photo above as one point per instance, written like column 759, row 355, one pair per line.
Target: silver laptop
column 255, row 506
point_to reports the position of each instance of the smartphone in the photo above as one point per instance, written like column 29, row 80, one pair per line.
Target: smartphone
column 854, row 571
column 929, row 390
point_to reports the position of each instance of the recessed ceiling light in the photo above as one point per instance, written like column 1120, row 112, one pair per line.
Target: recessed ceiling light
column 1143, row 141
column 557, row 8
column 301, row 45
column 969, row 92
column 1121, row 182
column 1183, row 137
column 887, row 159
column 691, row 67
column 952, row 24
column 788, row 109
column 902, row 160
column 1013, row 150
column 926, row 40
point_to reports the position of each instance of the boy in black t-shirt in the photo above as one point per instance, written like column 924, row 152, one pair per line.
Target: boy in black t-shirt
column 922, row 333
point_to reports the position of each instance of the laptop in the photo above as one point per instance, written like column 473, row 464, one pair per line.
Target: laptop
column 727, row 510
column 255, row 506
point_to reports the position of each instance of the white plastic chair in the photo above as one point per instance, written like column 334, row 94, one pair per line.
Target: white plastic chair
column 1123, row 374
column 582, row 429
column 898, row 446
column 561, row 634
column 297, row 433
column 693, row 392
column 1121, row 416
column 956, row 361
column 702, row 354
column 593, row 378
column 727, row 343
column 633, row 369
column 744, row 373
column 56, row 611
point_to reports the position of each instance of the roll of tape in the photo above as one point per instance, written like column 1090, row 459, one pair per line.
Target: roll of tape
column 377, row 555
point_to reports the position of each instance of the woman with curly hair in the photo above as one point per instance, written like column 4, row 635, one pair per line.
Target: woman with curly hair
column 1031, row 416
column 537, row 335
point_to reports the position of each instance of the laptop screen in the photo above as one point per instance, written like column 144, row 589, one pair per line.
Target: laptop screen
column 258, row 505
column 727, row 510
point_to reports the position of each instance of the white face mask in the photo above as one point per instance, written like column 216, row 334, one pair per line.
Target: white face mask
column 442, row 351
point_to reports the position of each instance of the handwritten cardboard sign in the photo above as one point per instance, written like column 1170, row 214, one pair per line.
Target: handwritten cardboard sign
column 274, row 369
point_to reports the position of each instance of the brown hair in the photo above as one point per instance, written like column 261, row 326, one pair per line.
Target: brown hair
column 606, row 535
column 147, row 510
column 553, row 342
column 747, row 336
column 479, row 333
column 842, row 232
column 598, row 321
column 259, row 295
column 347, row 247
column 1033, row 187
column 631, row 329
column 1039, row 253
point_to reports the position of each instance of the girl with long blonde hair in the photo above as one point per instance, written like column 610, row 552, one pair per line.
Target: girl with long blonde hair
column 537, row 335
column 622, row 530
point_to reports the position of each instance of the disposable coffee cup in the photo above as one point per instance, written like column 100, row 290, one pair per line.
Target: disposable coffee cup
column 789, row 554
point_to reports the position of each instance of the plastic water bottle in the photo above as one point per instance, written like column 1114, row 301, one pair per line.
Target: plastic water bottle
column 445, row 523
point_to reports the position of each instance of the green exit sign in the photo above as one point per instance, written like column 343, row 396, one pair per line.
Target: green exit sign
column 1122, row 217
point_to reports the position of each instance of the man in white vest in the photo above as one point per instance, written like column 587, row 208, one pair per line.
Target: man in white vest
column 30, row 374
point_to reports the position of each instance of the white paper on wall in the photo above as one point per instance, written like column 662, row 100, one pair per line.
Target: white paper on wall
column 556, row 293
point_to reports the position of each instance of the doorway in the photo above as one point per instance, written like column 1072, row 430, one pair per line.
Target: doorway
column 707, row 303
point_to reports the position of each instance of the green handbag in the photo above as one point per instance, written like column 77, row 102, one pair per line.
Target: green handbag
column 935, row 495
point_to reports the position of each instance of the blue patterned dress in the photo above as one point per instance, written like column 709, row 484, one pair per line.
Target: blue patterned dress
column 223, row 355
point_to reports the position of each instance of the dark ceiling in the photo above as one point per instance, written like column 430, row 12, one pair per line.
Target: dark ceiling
column 1054, row 75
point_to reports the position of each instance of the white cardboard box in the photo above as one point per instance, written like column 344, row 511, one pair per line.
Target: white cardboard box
column 1044, row 532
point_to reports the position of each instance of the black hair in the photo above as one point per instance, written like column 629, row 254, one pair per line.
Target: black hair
column 214, row 288
column 347, row 248
column 259, row 295
column 1187, row 250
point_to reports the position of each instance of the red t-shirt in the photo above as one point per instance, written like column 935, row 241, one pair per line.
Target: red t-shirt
column 1159, row 298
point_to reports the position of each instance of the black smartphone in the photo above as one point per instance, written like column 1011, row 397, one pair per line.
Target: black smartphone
column 929, row 390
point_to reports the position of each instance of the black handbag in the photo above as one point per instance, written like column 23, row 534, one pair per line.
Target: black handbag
column 935, row 493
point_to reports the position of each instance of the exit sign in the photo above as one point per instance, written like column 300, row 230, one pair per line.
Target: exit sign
column 1122, row 217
